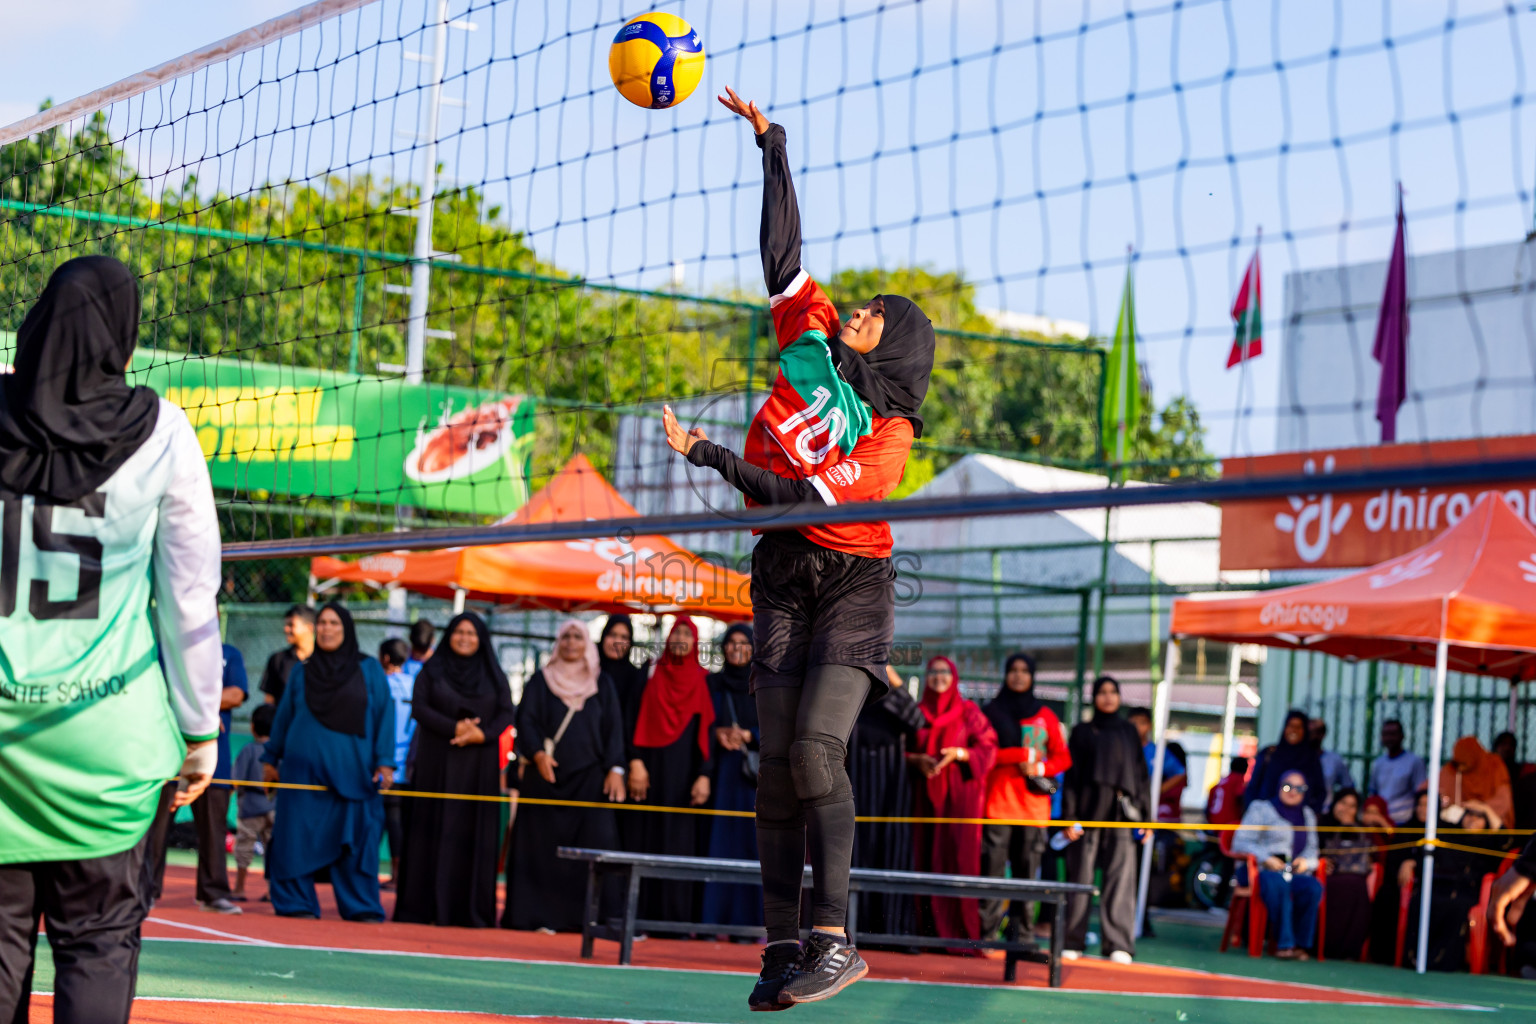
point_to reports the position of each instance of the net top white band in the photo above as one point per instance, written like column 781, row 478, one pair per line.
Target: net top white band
column 231, row 46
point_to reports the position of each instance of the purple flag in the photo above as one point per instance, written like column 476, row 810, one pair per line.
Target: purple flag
column 1391, row 346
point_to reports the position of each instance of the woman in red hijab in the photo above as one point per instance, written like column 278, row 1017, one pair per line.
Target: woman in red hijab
column 955, row 750
column 670, row 766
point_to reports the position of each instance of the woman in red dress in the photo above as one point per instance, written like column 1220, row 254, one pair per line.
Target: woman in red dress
column 955, row 751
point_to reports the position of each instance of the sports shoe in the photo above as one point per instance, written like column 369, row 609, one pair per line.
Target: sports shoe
column 1120, row 956
column 779, row 962
column 219, row 906
column 827, row 966
column 1071, row 954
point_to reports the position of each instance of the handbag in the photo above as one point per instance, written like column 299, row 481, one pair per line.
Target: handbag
column 550, row 742
column 751, row 760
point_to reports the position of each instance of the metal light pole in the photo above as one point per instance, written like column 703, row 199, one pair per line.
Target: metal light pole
column 421, row 251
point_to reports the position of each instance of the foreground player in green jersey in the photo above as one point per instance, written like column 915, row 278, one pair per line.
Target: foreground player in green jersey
column 110, row 660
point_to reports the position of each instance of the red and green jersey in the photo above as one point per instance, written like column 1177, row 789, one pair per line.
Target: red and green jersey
column 815, row 427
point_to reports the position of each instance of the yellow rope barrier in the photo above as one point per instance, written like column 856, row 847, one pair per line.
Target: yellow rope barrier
column 1165, row 826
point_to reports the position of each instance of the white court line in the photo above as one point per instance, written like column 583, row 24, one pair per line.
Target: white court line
column 1420, row 1004
column 212, row 931
column 402, row 1009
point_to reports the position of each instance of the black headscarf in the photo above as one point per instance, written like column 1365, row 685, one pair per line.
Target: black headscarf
column 623, row 672
column 334, row 689
column 473, row 675
column 1114, row 758
column 893, row 378
column 734, row 677
column 1008, row 709
column 68, row 418
column 1284, row 757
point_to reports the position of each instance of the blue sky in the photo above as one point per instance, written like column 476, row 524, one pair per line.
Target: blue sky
column 1025, row 144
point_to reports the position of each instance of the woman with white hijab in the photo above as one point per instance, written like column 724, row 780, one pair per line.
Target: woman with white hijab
column 570, row 746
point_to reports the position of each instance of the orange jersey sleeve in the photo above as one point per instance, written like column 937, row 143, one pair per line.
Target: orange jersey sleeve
column 801, row 307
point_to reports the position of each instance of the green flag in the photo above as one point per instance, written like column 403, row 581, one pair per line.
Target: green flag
column 1122, row 391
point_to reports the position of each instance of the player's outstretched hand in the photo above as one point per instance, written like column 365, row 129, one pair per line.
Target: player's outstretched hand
column 681, row 440
column 746, row 108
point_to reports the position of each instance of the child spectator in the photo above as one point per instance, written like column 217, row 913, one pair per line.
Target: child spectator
column 256, row 808
column 395, row 656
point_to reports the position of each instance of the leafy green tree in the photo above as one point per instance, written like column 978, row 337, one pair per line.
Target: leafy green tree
column 256, row 276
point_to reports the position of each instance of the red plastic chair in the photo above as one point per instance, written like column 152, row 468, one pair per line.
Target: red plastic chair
column 1480, row 949
column 1372, row 887
column 1245, row 908
column 1322, row 905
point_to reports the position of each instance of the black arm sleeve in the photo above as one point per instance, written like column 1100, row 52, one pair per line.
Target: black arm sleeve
column 761, row 485
column 779, row 235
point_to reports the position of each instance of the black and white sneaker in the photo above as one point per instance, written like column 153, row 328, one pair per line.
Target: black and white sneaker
column 827, row 966
column 779, row 961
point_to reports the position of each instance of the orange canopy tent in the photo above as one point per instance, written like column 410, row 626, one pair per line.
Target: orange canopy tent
column 1466, row 600
column 642, row 573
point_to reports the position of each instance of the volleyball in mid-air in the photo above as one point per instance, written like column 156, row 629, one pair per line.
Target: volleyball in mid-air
column 656, row 60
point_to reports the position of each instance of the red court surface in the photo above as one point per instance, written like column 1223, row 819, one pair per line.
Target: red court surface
column 194, row 1011
column 177, row 917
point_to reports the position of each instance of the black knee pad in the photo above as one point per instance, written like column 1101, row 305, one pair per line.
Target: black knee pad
column 819, row 772
column 777, row 803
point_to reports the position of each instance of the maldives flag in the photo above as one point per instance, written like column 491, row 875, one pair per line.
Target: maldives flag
column 1248, row 315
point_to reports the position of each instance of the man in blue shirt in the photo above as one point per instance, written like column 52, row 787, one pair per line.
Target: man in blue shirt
column 210, row 812
column 1175, row 775
column 1336, row 774
column 1397, row 774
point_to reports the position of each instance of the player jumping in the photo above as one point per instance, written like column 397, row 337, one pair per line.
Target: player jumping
column 837, row 426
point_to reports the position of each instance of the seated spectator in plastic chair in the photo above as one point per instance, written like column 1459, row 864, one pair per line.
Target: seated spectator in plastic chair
column 1224, row 806
column 1351, row 858
column 1281, row 834
column 1474, row 774
column 1457, row 885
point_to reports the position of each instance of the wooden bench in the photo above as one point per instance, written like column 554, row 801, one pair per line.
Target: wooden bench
column 632, row 868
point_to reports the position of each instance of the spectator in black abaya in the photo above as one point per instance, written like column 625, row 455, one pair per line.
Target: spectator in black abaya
column 1458, row 884
column 1292, row 754
column 570, row 733
column 671, row 767
column 615, row 650
column 1384, row 908
column 882, row 787
column 463, row 704
column 735, row 779
column 615, row 653
column 1108, row 781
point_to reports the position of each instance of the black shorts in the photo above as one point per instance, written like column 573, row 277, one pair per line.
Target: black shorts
column 814, row 606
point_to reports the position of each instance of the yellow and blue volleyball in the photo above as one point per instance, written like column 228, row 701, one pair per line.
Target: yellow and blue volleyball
column 656, row 60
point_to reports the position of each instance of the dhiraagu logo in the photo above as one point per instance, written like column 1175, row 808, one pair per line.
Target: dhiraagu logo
column 1313, row 520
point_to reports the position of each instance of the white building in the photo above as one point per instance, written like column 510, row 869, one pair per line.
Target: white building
column 1471, row 350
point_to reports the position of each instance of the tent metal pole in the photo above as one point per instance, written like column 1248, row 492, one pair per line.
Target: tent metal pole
column 1436, row 741
column 1229, row 713
column 1160, row 701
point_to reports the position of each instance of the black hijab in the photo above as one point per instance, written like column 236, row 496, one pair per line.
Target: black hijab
column 1008, row 709
column 334, row 689
column 1292, row 757
column 68, row 418
column 1111, row 749
column 475, row 675
column 624, row 673
column 893, row 378
column 734, row 677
